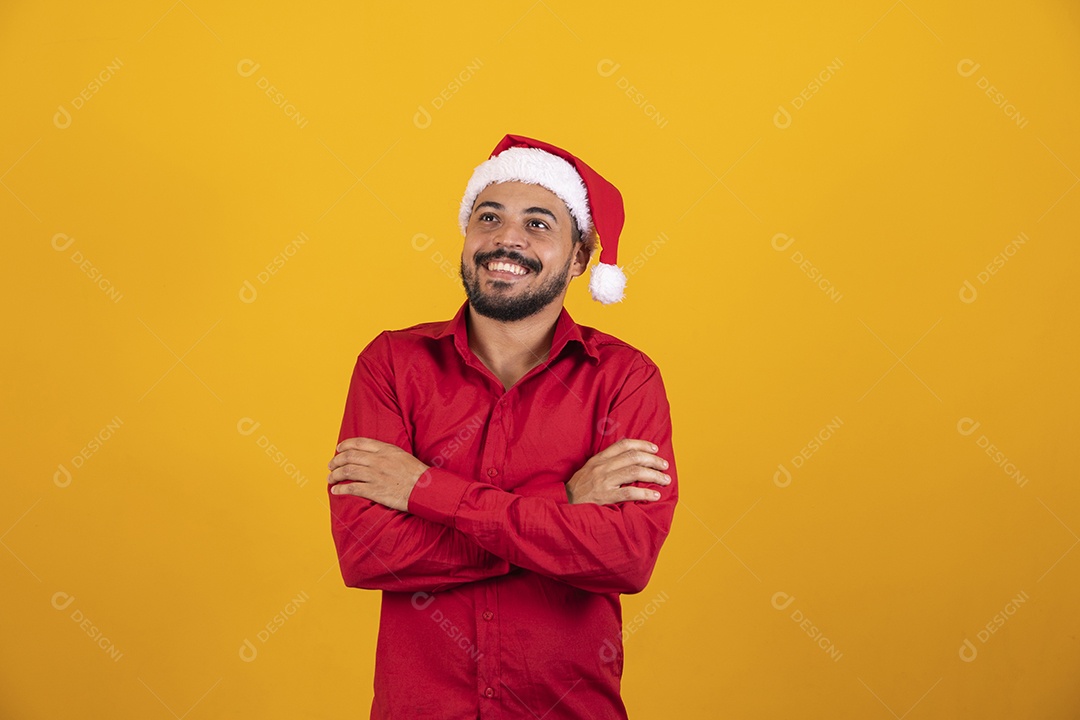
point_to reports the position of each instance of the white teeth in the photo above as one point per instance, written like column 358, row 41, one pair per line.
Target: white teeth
column 507, row 267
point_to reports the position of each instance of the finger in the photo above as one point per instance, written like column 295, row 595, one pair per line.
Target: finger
column 348, row 488
column 626, row 445
column 354, row 473
column 633, row 458
column 363, row 444
column 349, row 457
column 631, row 494
column 641, row 474
column 644, row 459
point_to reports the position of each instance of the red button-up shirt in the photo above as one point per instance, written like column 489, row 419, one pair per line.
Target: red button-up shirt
column 500, row 598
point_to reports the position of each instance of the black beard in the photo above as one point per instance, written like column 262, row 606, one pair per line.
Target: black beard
column 511, row 309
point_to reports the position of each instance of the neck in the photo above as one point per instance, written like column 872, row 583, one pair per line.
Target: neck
column 511, row 349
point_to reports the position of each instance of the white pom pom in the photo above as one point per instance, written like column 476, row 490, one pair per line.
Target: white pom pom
column 607, row 283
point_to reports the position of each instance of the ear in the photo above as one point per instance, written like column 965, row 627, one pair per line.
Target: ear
column 582, row 255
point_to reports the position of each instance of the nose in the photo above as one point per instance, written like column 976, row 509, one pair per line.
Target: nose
column 511, row 235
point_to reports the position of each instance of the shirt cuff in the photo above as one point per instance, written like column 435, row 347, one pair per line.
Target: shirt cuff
column 552, row 491
column 437, row 495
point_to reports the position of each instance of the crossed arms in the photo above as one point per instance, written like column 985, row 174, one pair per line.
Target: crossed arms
column 401, row 525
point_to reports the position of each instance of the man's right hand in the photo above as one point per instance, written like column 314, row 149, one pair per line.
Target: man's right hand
column 606, row 478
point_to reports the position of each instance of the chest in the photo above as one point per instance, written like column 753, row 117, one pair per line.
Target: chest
column 543, row 428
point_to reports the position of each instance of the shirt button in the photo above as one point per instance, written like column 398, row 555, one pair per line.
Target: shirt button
column 490, row 692
column 488, row 614
column 492, row 472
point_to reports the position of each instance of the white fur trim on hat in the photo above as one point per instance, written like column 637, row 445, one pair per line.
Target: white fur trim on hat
column 607, row 283
column 536, row 167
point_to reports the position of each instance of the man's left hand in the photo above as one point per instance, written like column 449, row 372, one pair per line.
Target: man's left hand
column 375, row 470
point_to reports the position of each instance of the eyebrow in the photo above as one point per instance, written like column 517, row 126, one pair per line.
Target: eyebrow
column 541, row 211
column 528, row 211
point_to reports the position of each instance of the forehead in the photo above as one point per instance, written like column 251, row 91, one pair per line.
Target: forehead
column 517, row 196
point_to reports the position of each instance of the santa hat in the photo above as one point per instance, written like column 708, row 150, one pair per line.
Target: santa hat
column 592, row 201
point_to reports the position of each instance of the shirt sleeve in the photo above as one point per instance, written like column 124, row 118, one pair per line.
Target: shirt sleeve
column 385, row 549
column 600, row 548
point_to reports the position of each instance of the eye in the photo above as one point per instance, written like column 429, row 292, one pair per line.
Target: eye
column 538, row 223
column 486, row 217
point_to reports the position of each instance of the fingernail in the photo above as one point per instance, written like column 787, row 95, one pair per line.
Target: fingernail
column 656, row 496
column 665, row 464
column 654, row 448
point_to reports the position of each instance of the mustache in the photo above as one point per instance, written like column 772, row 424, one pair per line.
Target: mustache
column 511, row 255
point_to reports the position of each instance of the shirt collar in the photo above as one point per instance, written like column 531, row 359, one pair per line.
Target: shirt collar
column 566, row 331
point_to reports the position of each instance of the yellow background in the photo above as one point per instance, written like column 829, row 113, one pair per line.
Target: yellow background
column 895, row 176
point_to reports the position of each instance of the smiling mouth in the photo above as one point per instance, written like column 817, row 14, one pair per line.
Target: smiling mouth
column 503, row 267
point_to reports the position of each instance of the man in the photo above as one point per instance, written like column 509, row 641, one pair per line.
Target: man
column 503, row 476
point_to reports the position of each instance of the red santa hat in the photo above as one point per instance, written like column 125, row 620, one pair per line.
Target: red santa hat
column 593, row 202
